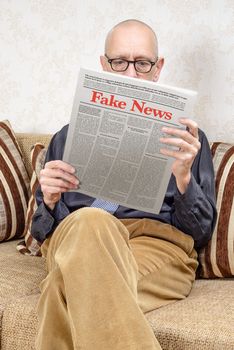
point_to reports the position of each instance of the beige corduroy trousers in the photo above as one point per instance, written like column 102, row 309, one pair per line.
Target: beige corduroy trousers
column 104, row 274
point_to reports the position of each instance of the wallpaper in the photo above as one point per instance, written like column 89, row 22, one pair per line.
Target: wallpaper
column 44, row 43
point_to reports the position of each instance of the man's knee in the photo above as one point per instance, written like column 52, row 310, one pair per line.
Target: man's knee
column 90, row 222
column 91, row 215
column 84, row 217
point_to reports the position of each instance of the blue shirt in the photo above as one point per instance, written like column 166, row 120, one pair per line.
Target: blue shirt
column 193, row 212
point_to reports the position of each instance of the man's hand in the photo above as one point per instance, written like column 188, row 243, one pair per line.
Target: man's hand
column 188, row 146
column 57, row 177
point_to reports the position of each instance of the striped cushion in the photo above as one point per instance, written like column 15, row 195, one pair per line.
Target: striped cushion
column 30, row 246
column 14, row 185
column 217, row 258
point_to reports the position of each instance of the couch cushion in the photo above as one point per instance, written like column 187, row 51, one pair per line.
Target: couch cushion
column 30, row 246
column 204, row 320
column 217, row 258
column 19, row 275
column 14, row 185
column 1, row 315
column 19, row 324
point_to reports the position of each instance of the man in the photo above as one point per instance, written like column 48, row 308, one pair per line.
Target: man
column 106, row 270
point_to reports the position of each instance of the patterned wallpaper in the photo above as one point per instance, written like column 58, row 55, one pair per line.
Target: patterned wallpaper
column 44, row 42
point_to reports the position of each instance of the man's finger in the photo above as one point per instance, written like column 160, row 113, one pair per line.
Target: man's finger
column 191, row 125
column 58, row 174
column 59, row 164
column 58, row 182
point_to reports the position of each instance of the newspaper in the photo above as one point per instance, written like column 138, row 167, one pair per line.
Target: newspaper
column 113, row 137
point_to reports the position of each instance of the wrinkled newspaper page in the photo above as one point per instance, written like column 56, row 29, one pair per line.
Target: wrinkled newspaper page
column 113, row 137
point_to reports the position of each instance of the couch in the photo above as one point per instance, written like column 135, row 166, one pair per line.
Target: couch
column 204, row 320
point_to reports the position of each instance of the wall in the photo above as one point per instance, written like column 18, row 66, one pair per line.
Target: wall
column 44, row 42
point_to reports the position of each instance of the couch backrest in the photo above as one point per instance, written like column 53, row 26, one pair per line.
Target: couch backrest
column 217, row 258
column 26, row 141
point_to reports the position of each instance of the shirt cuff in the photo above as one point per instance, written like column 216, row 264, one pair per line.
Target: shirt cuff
column 188, row 201
column 59, row 212
column 46, row 220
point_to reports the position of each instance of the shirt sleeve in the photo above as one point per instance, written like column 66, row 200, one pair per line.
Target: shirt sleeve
column 195, row 211
column 46, row 220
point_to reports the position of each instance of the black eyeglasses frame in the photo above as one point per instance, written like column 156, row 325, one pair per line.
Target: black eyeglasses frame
column 110, row 60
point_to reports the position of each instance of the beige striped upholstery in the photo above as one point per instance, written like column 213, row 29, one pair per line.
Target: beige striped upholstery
column 14, row 185
column 217, row 258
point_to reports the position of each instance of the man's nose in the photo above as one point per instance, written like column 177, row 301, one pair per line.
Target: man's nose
column 131, row 72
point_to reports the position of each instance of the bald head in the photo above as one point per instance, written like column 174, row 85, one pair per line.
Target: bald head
column 132, row 40
column 132, row 25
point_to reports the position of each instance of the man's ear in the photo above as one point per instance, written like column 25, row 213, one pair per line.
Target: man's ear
column 103, row 63
column 159, row 66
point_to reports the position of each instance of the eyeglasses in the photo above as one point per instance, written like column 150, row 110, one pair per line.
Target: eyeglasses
column 121, row 65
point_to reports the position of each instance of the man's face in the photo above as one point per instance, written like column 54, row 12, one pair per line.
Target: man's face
column 132, row 42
